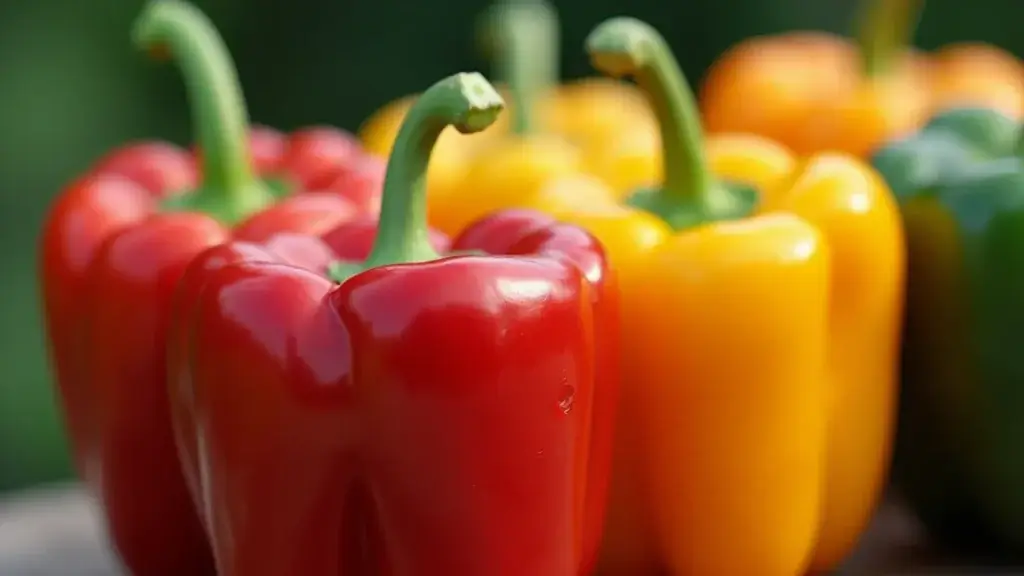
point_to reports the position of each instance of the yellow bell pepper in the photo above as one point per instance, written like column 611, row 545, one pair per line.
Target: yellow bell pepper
column 595, row 111
column 612, row 124
column 761, row 313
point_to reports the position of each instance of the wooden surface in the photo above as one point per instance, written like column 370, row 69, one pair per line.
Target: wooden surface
column 57, row 532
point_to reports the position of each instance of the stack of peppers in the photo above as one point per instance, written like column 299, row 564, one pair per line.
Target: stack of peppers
column 760, row 325
column 595, row 132
column 266, row 332
column 943, row 130
column 265, row 381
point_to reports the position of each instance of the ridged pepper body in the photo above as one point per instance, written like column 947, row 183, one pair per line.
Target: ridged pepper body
column 746, row 342
column 421, row 419
column 761, row 306
column 412, row 414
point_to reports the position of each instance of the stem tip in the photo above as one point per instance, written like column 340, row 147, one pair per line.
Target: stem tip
column 620, row 46
column 146, row 35
column 483, row 103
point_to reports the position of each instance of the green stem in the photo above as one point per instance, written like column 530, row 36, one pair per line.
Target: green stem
column 218, row 107
column 466, row 101
column 523, row 36
column 884, row 28
column 628, row 47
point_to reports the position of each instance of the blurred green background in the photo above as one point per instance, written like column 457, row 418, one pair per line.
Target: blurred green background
column 71, row 87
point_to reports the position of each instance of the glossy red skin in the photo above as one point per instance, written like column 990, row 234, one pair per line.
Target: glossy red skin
column 504, row 233
column 158, row 167
column 267, row 149
column 316, row 155
column 109, row 264
column 310, row 158
column 417, row 420
column 361, row 182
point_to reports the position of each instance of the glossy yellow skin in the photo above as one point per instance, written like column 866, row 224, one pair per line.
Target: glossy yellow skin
column 630, row 162
column 759, row 368
column 508, row 173
column 612, row 123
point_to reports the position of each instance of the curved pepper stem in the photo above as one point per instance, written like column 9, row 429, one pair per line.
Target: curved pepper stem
column 884, row 29
column 230, row 189
column 690, row 194
column 471, row 104
column 523, row 37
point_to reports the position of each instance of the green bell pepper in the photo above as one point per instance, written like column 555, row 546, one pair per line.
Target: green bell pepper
column 959, row 458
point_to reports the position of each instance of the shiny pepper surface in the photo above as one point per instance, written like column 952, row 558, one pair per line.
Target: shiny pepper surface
column 760, row 325
column 113, row 247
column 412, row 414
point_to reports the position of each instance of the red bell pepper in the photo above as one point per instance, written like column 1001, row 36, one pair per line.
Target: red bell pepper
column 409, row 415
column 509, row 232
column 114, row 245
